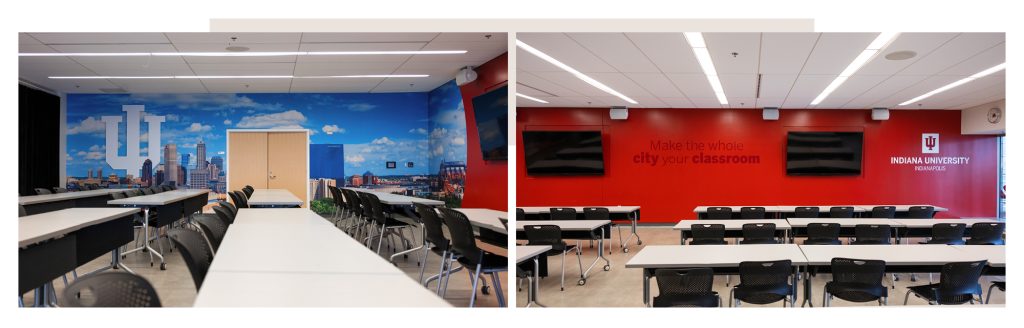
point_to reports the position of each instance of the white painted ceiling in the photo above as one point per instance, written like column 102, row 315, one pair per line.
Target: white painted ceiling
column 441, row 68
column 659, row 70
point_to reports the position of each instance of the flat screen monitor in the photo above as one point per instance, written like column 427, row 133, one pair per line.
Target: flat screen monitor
column 563, row 152
column 491, row 112
column 824, row 153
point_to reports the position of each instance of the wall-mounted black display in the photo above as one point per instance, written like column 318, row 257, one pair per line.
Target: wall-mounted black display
column 563, row 152
column 491, row 112
column 824, row 153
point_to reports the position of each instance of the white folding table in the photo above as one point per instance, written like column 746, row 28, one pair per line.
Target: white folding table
column 273, row 198
column 685, row 226
column 44, row 203
column 148, row 202
column 631, row 212
column 532, row 252
column 578, row 229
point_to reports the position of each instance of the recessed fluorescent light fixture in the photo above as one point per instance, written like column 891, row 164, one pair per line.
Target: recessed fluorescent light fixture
column 531, row 98
column 700, row 50
column 573, row 71
column 241, row 54
column 883, row 39
column 956, row 84
column 236, row 77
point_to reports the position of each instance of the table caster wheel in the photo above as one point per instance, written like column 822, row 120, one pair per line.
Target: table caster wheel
column 639, row 242
column 582, row 282
column 163, row 266
column 486, row 290
column 150, row 263
column 607, row 267
column 625, row 250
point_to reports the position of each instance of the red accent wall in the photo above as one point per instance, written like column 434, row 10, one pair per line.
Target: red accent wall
column 486, row 181
column 668, row 193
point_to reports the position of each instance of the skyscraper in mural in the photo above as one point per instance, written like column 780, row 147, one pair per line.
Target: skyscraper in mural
column 147, row 173
column 184, row 160
column 217, row 161
column 201, row 154
column 327, row 161
column 171, row 164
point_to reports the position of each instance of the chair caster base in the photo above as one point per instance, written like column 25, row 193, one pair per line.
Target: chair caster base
column 625, row 250
column 582, row 282
column 486, row 290
column 607, row 267
column 163, row 266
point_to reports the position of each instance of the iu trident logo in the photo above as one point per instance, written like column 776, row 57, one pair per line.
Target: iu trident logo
column 929, row 143
column 132, row 161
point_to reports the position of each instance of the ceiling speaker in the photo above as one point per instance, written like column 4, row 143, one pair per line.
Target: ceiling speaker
column 465, row 75
column 880, row 114
column 619, row 112
column 770, row 114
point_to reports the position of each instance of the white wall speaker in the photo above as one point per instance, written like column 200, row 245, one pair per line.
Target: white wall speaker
column 465, row 75
column 770, row 114
column 880, row 114
column 619, row 112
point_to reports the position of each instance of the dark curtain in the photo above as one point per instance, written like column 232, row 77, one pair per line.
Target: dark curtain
column 38, row 140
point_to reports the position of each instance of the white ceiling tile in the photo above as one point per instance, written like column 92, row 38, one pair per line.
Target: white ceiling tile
column 26, row 39
column 805, row 89
column 526, row 62
column 367, row 37
column 79, row 86
column 748, row 102
column 363, row 46
column 141, row 47
column 34, row 48
column 739, row 85
column 884, row 89
column 668, row 51
column 785, row 53
column 570, row 81
column 856, row 85
column 962, row 47
column 914, row 90
column 747, row 47
column 706, row 103
column 656, row 84
column 921, row 43
column 99, row 38
column 161, row 86
column 243, row 68
column 240, row 38
column 777, row 86
column 678, row 102
column 247, row 85
column 769, row 102
column 644, row 102
column 980, row 62
column 496, row 37
column 544, row 85
column 616, row 50
column 621, row 83
column 527, row 90
column 566, row 50
column 410, row 84
column 693, row 85
column 476, row 51
column 834, row 51
column 132, row 68
column 334, row 85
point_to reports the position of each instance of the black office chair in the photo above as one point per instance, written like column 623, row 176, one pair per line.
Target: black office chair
column 248, row 192
column 355, row 212
column 241, row 201
column 601, row 213
column 995, row 284
column 111, row 289
column 947, row 234
column 520, row 215
column 43, row 191
column 958, row 284
column 157, row 190
column 213, row 228
column 752, row 213
column 147, row 191
column 194, row 251
column 840, row 212
column 763, row 282
column 21, row 211
column 224, row 214
column 719, row 213
column 759, row 233
column 389, row 226
column 231, row 208
column 883, row 212
column 60, row 190
column 464, row 242
column 434, row 241
column 856, row 280
column 686, row 288
column 823, row 234
column 987, row 233
column 921, row 212
column 707, row 234
column 807, row 212
column 567, row 213
column 872, row 234
column 551, row 235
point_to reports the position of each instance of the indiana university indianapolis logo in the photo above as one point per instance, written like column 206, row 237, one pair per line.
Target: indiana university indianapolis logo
column 133, row 160
column 929, row 143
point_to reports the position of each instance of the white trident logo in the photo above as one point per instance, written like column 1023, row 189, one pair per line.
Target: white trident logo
column 132, row 161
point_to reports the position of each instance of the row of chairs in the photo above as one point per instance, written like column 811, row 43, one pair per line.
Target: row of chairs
column 839, row 212
column 84, row 187
column 982, row 233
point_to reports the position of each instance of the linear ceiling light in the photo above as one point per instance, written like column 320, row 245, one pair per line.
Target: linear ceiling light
column 236, row 77
column 956, row 84
column 531, row 98
column 700, row 50
column 578, row 74
column 241, row 54
column 865, row 56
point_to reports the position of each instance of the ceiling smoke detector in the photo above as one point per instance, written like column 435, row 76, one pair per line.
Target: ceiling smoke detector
column 901, row 55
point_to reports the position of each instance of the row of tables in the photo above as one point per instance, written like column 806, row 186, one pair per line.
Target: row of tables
column 617, row 212
column 792, row 227
column 781, row 210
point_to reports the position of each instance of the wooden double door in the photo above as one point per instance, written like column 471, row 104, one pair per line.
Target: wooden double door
column 269, row 159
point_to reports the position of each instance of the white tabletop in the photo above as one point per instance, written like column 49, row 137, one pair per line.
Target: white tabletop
column 928, row 223
column 735, row 208
column 679, row 256
column 566, row 225
column 392, row 199
column 685, row 225
column 44, row 226
column 579, row 209
column 891, row 254
column 485, row 218
column 36, row 199
column 995, row 254
column 821, row 208
column 901, row 208
column 846, row 223
column 273, row 197
column 163, row 198
column 526, row 252
column 284, row 216
column 284, row 289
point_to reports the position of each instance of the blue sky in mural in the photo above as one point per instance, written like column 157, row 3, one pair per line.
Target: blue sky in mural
column 447, row 125
column 374, row 128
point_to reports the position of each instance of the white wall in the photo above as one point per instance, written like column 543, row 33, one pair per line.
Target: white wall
column 974, row 120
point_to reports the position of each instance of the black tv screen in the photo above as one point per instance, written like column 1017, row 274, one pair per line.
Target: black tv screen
column 563, row 152
column 824, row 153
column 491, row 111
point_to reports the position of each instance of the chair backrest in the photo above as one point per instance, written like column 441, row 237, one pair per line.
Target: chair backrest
column 543, row 234
column 752, row 213
column 987, row 233
column 703, row 233
column 823, row 231
column 840, row 212
column 60, row 190
column 848, row 270
column 883, row 212
column 353, row 201
column 230, row 207
column 719, row 213
column 873, row 234
column 520, row 214
column 367, row 207
column 432, row 224
column 566, row 213
column 959, row 282
column 248, row 192
column 461, row 232
column 224, row 214
column 110, row 289
column 921, row 212
column 157, row 190
column 596, row 213
column 377, row 209
column 214, row 229
column 117, row 195
column 43, row 191
column 684, row 282
column 248, row 187
column 760, row 233
column 765, row 274
column 147, row 191
column 240, row 200
column 194, row 251
column 807, row 211
column 337, row 197
column 950, row 232
column 21, row 211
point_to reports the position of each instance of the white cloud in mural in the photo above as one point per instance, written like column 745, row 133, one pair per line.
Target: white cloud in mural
column 438, row 150
column 197, row 127
column 355, row 160
column 216, row 101
column 288, row 118
column 332, row 129
column 458, row 141
column 98, row 148
column 383, row 141
column 172, row 117
column 88, row 125
column 220, row 153
column 438, row 133
column 418, row 131
column 360, row 107
column 227, row 122
column 91, row 155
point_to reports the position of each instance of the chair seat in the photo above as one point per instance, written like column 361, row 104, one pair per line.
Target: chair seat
column 762, row 294
column 869, row 242
column 943, row 242
column 491, row 263
column 927, row 292
column 758, row 241
column 1000, row 284
column 686, row 300
column 708, row 242
column 823, row 242
column 856, row 292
